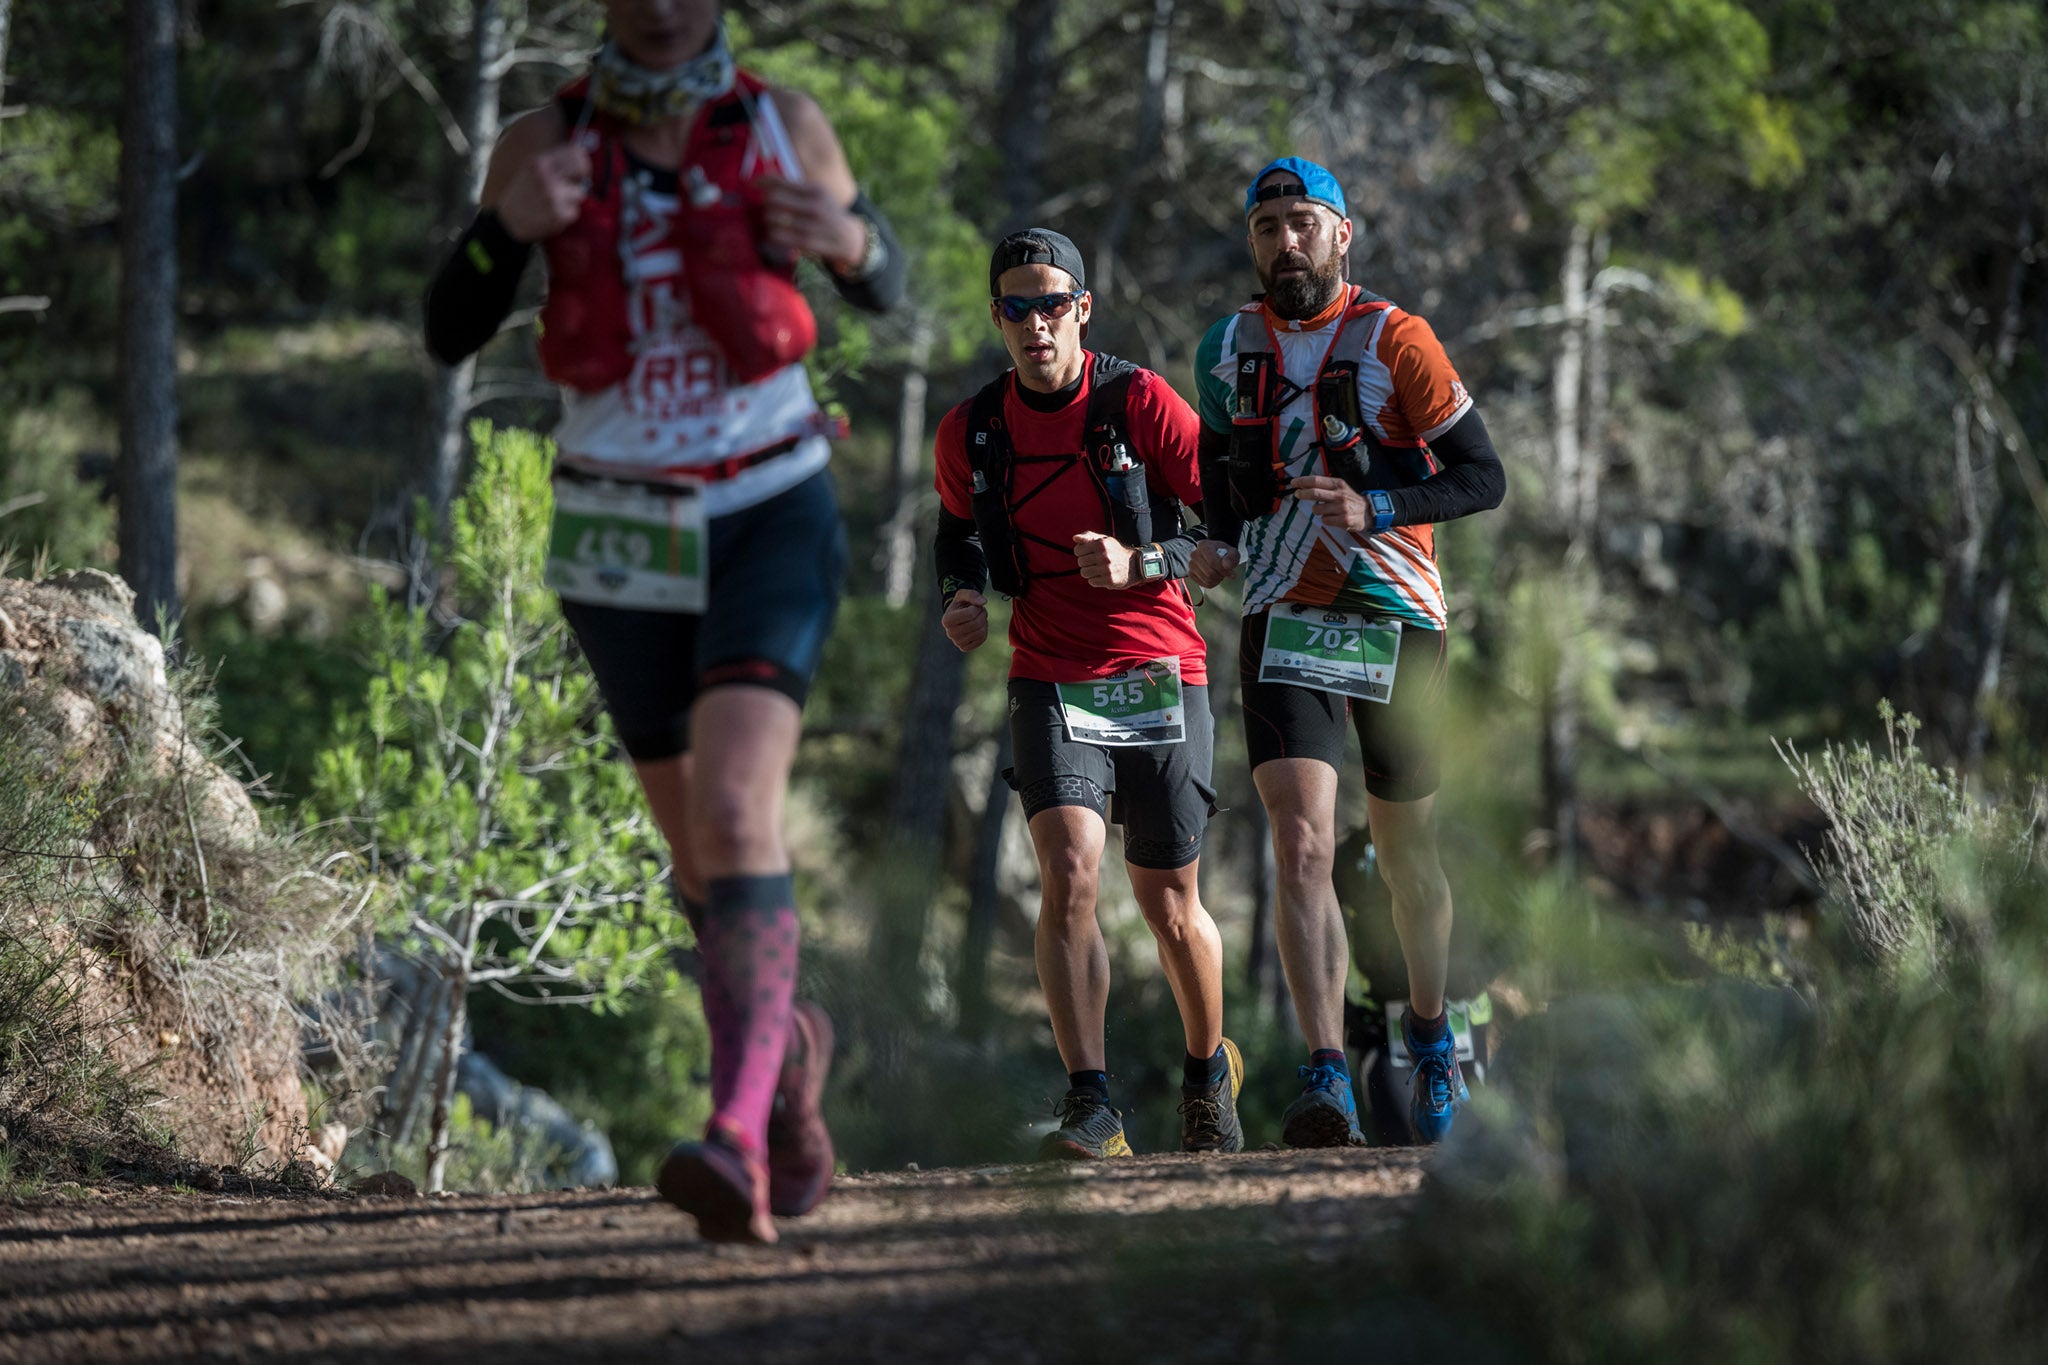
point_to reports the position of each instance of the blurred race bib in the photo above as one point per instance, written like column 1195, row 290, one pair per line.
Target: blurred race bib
column 628, row 545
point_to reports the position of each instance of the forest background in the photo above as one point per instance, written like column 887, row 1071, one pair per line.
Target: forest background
column 1750, row 294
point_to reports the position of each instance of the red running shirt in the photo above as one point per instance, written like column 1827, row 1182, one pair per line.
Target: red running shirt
column 1061, row 629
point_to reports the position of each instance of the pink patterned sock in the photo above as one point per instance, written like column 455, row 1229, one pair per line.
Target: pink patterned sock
column 749, row 943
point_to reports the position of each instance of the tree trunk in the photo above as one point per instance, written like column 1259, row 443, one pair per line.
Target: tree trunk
column 448, row 394
column 983, row 896
column 402, row 1090
column 5, row 7
column 1959, row 648
column 148, row 473
column 457, row 985
column 1560, row 708
column 1029, row 87
column 1997, row 614
column 1144, row 165
column 898, row 550
column 1263, row 979
column 917, row 808
column 1567, row 376
column 1593, row 447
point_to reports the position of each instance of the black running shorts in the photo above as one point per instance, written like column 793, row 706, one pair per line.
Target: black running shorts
column 1398, row 736
column 776, row 572
column 1159, row 793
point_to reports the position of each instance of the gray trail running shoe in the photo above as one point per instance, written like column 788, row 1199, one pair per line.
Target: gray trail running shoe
column 1324, row 1114
column 1208, row 1113
column 1089, row 1130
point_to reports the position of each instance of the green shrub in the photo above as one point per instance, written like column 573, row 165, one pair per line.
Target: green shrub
column 479, row 780
column 1720, row 1170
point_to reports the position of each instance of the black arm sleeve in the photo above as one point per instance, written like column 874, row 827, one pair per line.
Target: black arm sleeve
column 957, row 556
column 882, row 288
column 472, row 292
column 1471, row 479
column 1213, row 455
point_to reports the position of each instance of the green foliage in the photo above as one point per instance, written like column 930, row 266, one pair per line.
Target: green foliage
column 55, row 1061
column 275, row 692
column 50, row 511
column 483, row 1159
column 1722, row 1170
column 1913, row 861
column 481, row 779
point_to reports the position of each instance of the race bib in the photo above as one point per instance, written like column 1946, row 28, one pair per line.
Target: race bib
column 628, row 545
column 1140, row 705
column 1346, row 652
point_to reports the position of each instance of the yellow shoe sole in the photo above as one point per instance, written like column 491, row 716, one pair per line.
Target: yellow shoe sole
column 1235, row 1060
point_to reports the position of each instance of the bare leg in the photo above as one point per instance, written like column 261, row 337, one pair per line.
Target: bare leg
column 1073, row 961
column 1190, row 950
column 1404, row 836
column 666, row 782
column 1301, row 806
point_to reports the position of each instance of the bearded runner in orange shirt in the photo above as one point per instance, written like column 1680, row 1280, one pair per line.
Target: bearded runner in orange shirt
column 1343, row 434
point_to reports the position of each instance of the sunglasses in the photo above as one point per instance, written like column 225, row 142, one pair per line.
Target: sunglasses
column 1016, row 307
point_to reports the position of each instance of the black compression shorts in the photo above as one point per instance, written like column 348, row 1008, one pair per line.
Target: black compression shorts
column 1159, row 793
column 776, row 570
column 1398, row 736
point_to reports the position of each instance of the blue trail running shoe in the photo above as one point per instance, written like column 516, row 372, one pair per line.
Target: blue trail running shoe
column 1325, row 1113
column 1439, row 1083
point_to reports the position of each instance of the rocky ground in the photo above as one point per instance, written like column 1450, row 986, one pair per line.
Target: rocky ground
column 1156, row 1258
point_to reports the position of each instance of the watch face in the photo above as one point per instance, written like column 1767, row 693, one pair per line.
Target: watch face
column 1151, row 564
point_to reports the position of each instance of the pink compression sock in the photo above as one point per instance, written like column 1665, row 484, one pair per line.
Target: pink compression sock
column 749, row 942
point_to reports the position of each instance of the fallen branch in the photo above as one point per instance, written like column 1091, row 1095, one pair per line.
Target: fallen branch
column 25, row 303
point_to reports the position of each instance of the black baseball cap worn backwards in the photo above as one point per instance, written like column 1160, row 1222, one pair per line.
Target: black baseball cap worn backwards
column 1036, row 246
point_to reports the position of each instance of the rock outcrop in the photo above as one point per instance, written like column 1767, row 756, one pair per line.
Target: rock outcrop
column 171, row 976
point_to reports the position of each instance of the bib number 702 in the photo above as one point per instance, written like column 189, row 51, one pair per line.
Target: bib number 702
column 1333, row 639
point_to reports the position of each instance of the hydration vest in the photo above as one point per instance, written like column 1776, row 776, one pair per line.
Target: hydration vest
column 1349, row 448
column 1129, row 511
column 747, row 304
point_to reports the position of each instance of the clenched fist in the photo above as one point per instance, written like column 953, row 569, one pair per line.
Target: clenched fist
column 965, row 620
column 801, row 215
column 1105, row 561
column 1213, row 562
column 546, row 194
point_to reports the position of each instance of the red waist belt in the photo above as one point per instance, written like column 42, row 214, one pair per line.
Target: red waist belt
column 828, row 425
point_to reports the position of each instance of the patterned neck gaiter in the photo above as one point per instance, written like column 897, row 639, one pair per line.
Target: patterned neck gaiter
column 633, row 94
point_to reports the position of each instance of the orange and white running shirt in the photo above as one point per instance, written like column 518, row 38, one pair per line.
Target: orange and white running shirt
column 1409, row 394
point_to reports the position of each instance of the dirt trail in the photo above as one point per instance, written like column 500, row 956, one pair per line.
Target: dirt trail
column 995, row 1264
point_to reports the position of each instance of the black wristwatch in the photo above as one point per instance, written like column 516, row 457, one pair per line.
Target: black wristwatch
column 1151, row 563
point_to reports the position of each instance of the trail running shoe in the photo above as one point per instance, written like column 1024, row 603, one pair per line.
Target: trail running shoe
column 1325, row 1113
column 722, row 1183
column 1208, row 1113
column 1439, row 1083
column 1089, row 1130
column 799, row 1145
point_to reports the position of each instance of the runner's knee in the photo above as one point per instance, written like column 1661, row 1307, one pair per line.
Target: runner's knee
column 1304, row 851
column 731, row 818
column 1172, row 914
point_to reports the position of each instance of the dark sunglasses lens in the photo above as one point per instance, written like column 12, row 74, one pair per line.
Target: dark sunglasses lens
column 1017, row 308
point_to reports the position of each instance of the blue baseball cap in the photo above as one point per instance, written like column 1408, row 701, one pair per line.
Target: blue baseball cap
column 1311, row 182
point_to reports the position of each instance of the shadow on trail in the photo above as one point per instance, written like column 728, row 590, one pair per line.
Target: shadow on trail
column 862, row 1284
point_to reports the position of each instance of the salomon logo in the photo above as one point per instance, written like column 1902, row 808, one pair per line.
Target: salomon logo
column 1247, row 365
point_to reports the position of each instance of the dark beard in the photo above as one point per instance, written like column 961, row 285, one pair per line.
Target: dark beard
column 1305, row 295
